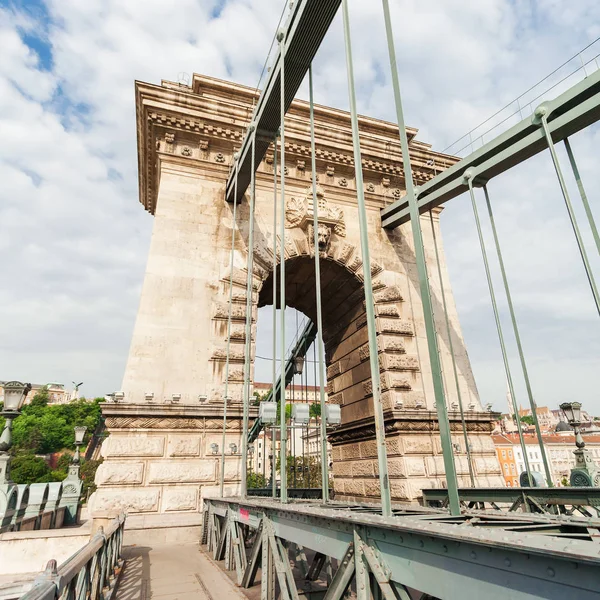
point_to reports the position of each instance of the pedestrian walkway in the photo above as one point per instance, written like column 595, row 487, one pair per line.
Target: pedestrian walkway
column 173, row 572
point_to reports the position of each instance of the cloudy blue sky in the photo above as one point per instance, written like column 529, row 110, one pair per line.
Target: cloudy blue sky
column 74, row 239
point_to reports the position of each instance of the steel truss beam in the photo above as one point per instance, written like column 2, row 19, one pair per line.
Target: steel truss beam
column 471, row 556
column 304, row 32
column 567, row 114
column 564, row 500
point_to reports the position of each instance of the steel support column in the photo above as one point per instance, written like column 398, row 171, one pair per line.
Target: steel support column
column 469, row 182
column 384, row 483
column 283, row 430
column 248, row 333
column 319, row 324
column 541, row 116
column 513, row 318
column 432, row 342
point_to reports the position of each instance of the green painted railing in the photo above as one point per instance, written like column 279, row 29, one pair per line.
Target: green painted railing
column 91, row 572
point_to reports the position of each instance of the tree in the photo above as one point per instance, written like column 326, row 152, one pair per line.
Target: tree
column 88, row 475
column 255, row 480
column 302, row 472
column 528, row 419
column 25, row 467
column 315, row 410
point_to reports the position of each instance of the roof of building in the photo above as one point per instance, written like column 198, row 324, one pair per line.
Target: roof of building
column 532, row 440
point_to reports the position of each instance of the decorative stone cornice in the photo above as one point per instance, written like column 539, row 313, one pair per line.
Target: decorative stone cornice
column 411, row 421
column 204, row 124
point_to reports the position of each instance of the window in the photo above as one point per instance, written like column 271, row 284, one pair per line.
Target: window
column 506, row 467
column 512, row 469
column 503, row 453
column 510, row 454
column 508, row 483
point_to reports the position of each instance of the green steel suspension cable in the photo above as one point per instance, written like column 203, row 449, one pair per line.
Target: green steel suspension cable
column 511, row 309
column 273, row 481
column 432, row 343
column 584, row 200
column 227, row 399
column 468, row 180
column 386, row 502
column 249, row 307
column 451, row 348
column 282, row 411
column 319, row 341
column 540, row 114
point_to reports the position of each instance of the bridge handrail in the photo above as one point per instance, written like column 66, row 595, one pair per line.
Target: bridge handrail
column 90, row 572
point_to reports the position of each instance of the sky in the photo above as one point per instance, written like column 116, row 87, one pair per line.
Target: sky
column 74, row 238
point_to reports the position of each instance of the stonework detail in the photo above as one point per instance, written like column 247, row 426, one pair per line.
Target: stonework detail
column 299, row 212
column 133, row 446
column 180, row 498
column 186, row 140
column 133, row 500
column 127, row 473
column 183, row 445
column 182, row 472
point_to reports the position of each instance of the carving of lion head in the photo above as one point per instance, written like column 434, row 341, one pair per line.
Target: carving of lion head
column 323, row 235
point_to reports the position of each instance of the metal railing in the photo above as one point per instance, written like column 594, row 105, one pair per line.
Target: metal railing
column 554, row 501
column 91, row 573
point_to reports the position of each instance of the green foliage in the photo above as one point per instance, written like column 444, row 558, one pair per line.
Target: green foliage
column 44, row 429
column 255, row 480
column 87, row 474
column 25, row 467
column 302, row 472
column 528, row 419
column 315, row 410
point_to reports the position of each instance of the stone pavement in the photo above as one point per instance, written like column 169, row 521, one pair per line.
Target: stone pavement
column 173, row 572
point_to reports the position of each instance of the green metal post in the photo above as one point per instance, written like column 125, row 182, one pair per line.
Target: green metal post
column 386, row 502
column 468, row 180
column 283, row 430
column 249, row 306
column 233, row 226
column 540, row 113
column 451, row 347
column 584, row 200
column 273, row 480
column 511, row 309
column 319, row 341
column 432, row 343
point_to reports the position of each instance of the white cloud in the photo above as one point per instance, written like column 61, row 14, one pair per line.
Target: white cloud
column 74, row 239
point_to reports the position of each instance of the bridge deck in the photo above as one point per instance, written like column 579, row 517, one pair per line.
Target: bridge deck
column 173, row 572
column 474, row 555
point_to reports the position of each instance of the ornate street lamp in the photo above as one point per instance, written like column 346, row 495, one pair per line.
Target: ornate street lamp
column 585, row 473
column 15, row 393
column 72, row 485
column 79, row 434
column 298, row 365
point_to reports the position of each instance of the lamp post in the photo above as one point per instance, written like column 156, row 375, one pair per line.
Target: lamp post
column 585, row 473
column 15, row 393
column 72, row 485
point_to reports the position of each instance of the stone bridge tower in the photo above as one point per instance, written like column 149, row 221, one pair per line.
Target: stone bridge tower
column 160, row 455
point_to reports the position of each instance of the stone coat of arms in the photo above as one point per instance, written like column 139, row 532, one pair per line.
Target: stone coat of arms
column 299, row 212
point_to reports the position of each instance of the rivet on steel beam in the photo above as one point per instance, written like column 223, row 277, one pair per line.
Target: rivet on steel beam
column 538, row 113
column 280, row 35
